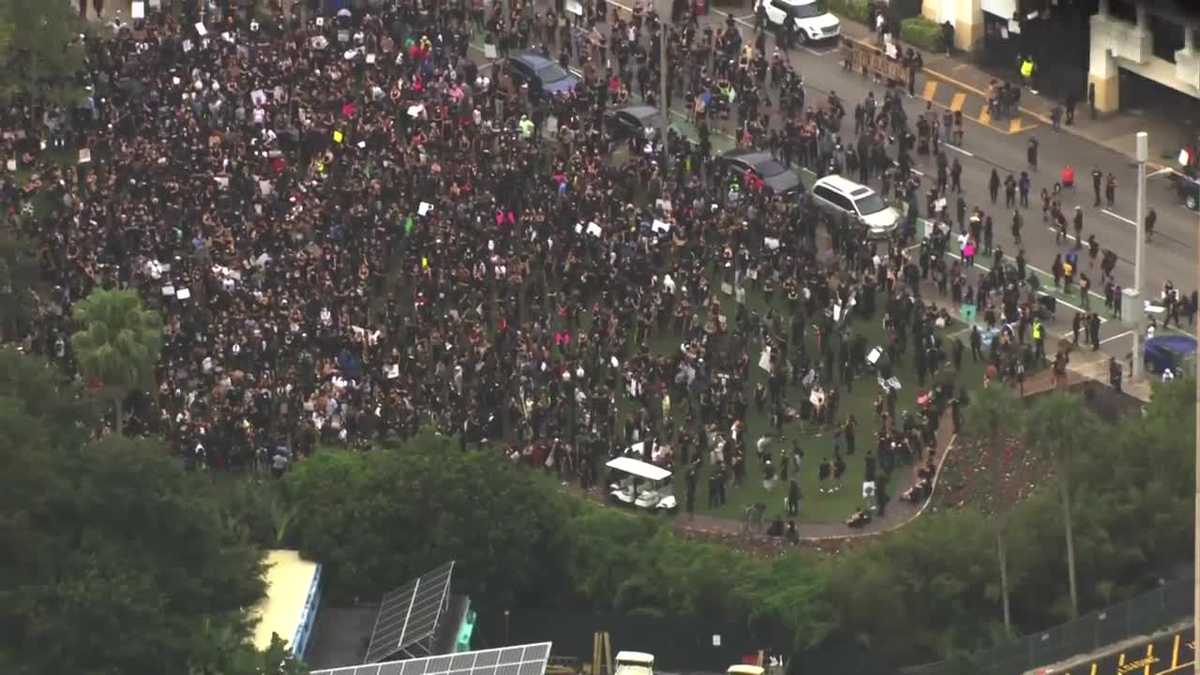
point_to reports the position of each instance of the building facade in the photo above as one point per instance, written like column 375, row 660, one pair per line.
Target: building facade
column 1156, row 41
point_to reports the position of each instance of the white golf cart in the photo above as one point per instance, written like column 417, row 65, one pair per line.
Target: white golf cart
column 634, row 663
column 643, row 485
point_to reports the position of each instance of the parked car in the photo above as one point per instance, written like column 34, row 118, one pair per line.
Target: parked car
column 544, row 76
column 1176, row 353
column 839, row 195
column 777, row 178
column 634, row 121
column 1188, row 188
column 812, row 23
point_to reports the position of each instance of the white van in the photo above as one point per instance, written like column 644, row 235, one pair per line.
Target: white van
column 839, row 195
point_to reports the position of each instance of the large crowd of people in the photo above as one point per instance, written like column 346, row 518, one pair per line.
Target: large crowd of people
column 353, row 230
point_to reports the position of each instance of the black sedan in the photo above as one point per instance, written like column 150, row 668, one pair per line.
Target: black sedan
column 634, row 121
column 777, row 178
column 544, row 77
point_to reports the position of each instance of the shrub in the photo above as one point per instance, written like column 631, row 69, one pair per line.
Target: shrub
column 858, row 10
column 922, row 33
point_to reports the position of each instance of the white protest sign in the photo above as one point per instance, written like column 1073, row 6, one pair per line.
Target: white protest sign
column 200, row 29
column 424, row 208
column 593, row 229
column 183, row 294
column 138, row 9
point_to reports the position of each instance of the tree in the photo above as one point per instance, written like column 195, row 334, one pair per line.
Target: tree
column 111, row 556
column 40, row 51
column 118, row 343
column 18, row 275
column 377, row 519
column 1057, row 426
column 993, row 415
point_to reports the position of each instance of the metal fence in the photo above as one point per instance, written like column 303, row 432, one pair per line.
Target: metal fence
column 1141, row 615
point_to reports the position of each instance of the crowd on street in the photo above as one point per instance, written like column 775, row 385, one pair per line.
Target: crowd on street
column 353, row 230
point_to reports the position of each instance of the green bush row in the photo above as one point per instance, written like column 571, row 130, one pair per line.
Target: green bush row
column 858, row 10
column 922, row 33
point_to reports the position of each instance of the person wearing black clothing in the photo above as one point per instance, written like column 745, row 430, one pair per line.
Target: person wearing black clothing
column 1031, row 153
column 1151, row 218
column 1072, row 101
column 824, row 469
column 793, row 498
column 994, row 186
column 1097, row 181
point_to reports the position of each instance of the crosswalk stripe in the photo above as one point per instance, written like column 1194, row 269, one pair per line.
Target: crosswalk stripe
column 956, row 103
column 985, row 115
column 930, row 88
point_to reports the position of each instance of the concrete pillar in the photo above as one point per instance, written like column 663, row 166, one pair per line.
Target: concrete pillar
column 1103, row 10
column 1189, row 38
column 1104, row 75
column 1143, row 17
column 968, row 27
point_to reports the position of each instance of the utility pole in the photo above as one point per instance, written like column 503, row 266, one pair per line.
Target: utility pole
column 1143, row 151
column 664, row 38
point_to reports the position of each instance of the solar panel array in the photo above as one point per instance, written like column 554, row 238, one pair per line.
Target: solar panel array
column 527, row 659
column 408, row 617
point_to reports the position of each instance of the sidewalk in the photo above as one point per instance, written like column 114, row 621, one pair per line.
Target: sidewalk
column 1115, row 131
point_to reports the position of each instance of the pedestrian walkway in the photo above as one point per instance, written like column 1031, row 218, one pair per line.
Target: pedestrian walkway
column 950, row 94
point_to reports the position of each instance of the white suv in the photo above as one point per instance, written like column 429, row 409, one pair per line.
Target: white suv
column 811, row 22
column 839, row 195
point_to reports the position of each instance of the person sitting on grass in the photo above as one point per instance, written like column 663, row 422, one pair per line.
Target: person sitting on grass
column 858, row 519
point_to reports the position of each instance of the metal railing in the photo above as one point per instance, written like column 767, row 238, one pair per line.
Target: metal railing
column 1140, row 615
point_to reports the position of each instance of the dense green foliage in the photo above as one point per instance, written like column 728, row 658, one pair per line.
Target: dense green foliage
column 40, row 52
column 117, row 344
column 380, row 518
column 112, row 559
column 110, row 539
column 922, row 33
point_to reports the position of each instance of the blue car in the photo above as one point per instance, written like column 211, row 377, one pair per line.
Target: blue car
column 544, row 76
column 1169, row 352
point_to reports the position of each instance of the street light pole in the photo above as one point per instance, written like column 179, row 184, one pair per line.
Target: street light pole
column 664, row 37
column 1143, row 152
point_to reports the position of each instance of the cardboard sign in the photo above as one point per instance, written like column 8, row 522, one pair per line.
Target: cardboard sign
column 489, row 51
column 85, row 155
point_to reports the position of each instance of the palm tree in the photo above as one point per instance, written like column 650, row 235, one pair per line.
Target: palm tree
column 118, row 343
column 993, row 414
column 1058, row 424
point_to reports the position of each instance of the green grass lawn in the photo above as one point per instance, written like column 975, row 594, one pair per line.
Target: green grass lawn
column 818, row 443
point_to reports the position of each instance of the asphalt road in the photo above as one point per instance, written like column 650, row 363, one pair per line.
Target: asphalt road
column 1002, row 144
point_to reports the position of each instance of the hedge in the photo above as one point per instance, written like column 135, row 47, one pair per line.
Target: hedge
column 922, row 33
column 858, row 10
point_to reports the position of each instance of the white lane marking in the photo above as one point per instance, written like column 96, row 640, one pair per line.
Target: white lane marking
column 955, row 148
column 1118, row 336
column 1119, row 217
column 1044, row 272
column 916, row 171
column 816, row 52
column 1160, row 172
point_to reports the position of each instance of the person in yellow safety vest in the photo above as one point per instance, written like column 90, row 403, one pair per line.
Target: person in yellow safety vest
column 1039, row 343
column 1027, row 72
column 526, row 126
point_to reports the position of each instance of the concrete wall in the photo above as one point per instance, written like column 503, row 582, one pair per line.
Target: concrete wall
column 1117, row 44
column 966, row 16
